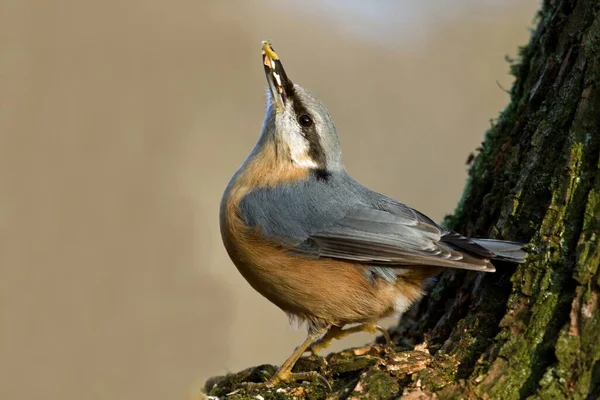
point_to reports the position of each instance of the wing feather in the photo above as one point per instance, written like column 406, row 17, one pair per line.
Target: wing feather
column 342, row 219
column 369, row 234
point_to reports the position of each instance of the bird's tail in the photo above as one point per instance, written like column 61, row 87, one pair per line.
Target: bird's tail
column 504, row 250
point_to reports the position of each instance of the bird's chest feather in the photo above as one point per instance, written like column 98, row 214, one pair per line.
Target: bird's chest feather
column 264, row 264
column 332, row 290
column 273, row 271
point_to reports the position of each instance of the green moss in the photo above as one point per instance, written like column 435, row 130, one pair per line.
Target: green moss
column 222, row 385
column 312, row 363
column 577, row 348
column 379, row 385
column 270, row 395
column 354, row 365
column 587, row 248
column 441, row 373
column 316, row 391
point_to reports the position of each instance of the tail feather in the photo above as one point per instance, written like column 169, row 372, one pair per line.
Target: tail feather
column 504, row 250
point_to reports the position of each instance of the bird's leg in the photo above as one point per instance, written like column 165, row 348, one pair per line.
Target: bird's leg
column 336, row 332
column 285, row 374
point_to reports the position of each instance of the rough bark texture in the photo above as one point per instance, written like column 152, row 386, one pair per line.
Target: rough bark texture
column 528, row 331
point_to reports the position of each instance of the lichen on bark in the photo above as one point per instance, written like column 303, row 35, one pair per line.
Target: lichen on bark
column 529, row 331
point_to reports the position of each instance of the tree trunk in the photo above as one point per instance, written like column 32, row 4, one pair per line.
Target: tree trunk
column 533, row 330
column 527, row 331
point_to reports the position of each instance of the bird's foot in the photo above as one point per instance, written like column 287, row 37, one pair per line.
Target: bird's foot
column 338, row 333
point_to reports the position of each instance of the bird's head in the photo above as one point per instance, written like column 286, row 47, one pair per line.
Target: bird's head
column 297, row 122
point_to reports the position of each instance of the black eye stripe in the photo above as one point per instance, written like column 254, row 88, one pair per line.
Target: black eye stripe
column 315, row 149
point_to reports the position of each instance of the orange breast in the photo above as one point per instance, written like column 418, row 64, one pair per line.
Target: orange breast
column 326, row 290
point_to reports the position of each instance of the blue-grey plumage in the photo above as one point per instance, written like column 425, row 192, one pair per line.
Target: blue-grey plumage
column 317, row 243
column 339, row 218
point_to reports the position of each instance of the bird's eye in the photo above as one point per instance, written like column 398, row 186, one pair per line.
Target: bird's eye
column 305, row 120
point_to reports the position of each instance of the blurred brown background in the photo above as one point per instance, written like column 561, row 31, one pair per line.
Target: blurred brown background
column 120, row 124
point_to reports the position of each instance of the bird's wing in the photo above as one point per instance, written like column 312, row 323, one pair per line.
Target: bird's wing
column 394, row 234
column 344, row 220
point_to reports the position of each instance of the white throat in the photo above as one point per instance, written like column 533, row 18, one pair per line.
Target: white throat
column 292, row 136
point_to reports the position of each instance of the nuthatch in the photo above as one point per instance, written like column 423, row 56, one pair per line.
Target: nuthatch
column 319, row 245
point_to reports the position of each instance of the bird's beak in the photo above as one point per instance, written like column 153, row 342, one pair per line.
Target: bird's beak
column 279, row 84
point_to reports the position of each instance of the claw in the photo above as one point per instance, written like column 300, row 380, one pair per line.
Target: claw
column 323, row 381
column 386, row 336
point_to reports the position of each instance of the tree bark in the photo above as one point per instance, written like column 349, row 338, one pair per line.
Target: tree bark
column 528, row 331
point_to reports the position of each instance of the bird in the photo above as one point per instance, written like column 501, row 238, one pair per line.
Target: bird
column 325, row 249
